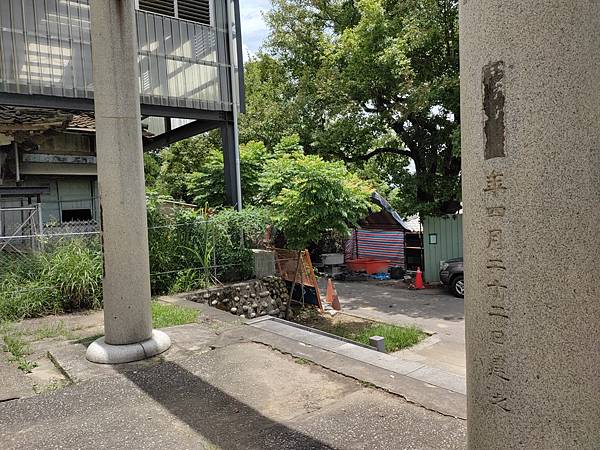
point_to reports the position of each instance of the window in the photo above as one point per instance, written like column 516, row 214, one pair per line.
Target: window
column 433, row 238
column 193, row 10
column 73, row 215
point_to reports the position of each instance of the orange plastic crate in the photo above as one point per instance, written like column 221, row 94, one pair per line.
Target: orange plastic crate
column 368, row 265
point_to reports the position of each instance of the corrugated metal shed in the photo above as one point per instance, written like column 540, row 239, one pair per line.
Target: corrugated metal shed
column 442, row 240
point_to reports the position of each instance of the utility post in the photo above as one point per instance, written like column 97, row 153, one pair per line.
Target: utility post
column 126, row 283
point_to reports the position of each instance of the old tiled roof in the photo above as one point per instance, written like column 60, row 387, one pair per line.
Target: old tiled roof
column 87, row 122
column 13, row 118
column 83, row 121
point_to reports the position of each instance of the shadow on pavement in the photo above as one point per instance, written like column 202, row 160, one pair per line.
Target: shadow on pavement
column 214, row 414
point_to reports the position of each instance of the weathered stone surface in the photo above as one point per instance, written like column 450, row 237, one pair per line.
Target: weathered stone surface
column 231, row 299
column 530, row 96
column 126, row 283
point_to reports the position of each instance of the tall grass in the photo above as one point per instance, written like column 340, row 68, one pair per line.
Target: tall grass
column 188, row 250
column 192, row 249
column 65, row 277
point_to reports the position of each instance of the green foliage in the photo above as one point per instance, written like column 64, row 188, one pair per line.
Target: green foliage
column 236, row 233
column 362, row 79
column 179, row 160
column 207, row 185
column 75, row 270
column 180, row 247
column 64, row 277
column 269, row 116
column 189, row 249
column 18, row 349
column 151, row 168
column 309, row 196
column 164, row 315
column 396, row 337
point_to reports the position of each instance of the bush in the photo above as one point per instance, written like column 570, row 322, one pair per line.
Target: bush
column 66, row 276
column 189, row 248
column 181, row 249
column 75, row 270
column 236, row 233
column 309, row 197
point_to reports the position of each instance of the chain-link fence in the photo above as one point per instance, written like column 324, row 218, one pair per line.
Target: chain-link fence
column 57, row 267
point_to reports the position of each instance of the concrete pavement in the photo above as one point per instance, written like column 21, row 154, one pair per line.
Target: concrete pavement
column 228, row 385
column 434, row 310
column 243, row 396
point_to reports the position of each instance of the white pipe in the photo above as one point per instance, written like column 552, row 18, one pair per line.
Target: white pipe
column 17, row 167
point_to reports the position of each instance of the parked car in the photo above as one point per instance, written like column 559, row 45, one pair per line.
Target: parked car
column 452, row 276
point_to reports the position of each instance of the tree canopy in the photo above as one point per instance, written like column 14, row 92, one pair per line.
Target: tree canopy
column 360, row 81
column 308, row 196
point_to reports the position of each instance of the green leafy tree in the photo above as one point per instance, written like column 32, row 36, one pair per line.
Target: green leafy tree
column 308, row 196
column 207, row 184
column 179, row 160
column 271, row 113
column 373, row 78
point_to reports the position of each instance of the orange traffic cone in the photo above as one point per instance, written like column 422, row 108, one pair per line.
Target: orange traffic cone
column 332, row 297
column 419, row 279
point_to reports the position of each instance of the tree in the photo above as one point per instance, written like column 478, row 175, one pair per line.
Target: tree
column 271, row 113
column 308, row 196
column 373, row 78
column 178, row 160
column 207, row 184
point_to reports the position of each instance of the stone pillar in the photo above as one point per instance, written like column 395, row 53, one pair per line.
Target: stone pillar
column 530, row 110
column 126, row 283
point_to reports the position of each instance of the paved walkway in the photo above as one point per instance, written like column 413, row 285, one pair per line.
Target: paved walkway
column 232, row 386
column 412, row 369
column 433, row 310
column 14, row 385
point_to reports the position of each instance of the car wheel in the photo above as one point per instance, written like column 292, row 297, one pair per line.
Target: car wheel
column 457, row 287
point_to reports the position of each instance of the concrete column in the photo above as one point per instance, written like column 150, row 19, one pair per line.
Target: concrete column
column 126, row 283
column 530, row 102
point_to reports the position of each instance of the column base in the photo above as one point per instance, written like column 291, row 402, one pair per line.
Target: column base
column 102, row 353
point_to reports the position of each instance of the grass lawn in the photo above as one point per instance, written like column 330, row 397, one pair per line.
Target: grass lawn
column 164, row 315
column 360, row 330
column 396, row 337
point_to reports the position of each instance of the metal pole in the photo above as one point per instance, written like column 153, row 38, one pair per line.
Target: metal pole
column 235, row 100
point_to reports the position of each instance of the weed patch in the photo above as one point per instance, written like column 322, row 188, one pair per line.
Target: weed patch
column 361, row 330
column 171, row 315
column 18, row 349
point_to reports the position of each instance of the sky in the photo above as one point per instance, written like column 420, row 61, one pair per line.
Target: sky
column 254, row 29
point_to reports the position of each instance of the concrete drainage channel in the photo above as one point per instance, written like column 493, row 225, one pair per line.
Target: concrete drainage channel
column 361, row 353
column 305, row 328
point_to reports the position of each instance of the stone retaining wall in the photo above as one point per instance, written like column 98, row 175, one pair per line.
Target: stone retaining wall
column 249, row 299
